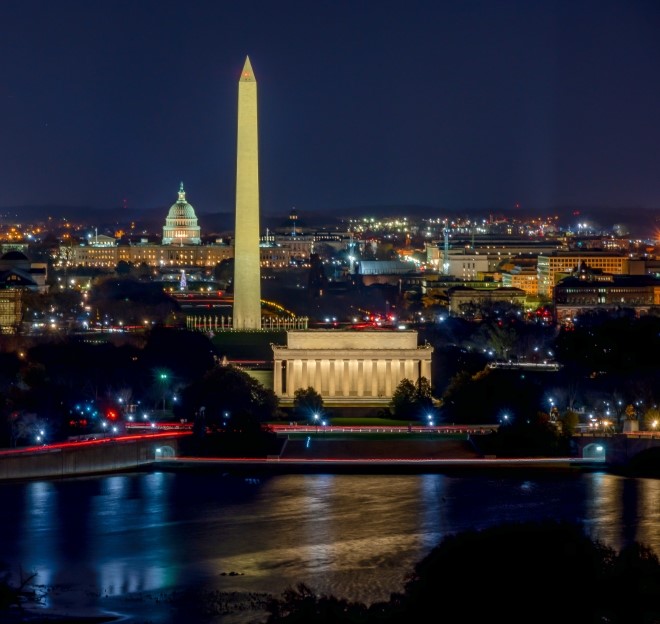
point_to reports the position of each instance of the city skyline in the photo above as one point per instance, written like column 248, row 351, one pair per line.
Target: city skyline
column 455, row 106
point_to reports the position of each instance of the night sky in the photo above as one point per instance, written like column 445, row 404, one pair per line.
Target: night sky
column 462, row 105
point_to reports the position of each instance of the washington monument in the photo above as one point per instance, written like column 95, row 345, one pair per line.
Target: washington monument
column 247, row 275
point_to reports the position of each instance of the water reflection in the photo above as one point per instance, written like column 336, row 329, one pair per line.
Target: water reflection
column 621, row 510
column 36, row 539
column 133, row 547
column 648, row 513
column 356, row 536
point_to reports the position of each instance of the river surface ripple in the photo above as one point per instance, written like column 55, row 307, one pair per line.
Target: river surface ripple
column 107, row 542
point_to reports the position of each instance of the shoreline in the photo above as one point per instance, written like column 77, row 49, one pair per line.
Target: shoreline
column 180, row 603
column 377, row 465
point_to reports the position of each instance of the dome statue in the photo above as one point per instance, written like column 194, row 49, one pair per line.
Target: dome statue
column 181, row 223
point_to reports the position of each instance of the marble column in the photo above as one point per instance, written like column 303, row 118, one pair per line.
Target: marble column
column 332, row 379
column 345, row 381
column 277, row 377
column 388, row 378
column 360, row 378
column 368, row 377
column 426, row 369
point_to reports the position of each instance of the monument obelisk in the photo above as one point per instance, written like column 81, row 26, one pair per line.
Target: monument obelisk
column 247, row 274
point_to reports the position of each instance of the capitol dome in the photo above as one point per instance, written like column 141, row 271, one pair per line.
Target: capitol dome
column 181, row 223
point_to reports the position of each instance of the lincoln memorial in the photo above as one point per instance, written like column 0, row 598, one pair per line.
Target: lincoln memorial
column 348, row 366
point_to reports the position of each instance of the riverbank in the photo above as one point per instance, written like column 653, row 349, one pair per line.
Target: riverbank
column 197, row 604
column 293, row 454
column 318, row 454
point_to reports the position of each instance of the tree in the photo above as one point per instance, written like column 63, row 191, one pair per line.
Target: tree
column 143, row 271
column 14, row 595
column 302, row 605
column 423, row 395
column 412, row 401
column 526, row 434
column 316, row 280
column 307, row 402
column 224, row 271
column 130, row 301
column 569, row 420
column 229, row 410
column 536, row 555
column 231, row 401
column 123, row 268
column 403, row 404
column 620, row 586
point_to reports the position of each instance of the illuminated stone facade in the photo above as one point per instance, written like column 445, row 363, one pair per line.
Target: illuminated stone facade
column 147, row 253
column 524, row 278
column 247, row 274
column 18, row 274
column 553, row 267
column 349, row 367
column 586, row 291
column 181, row 223
column 463, row 301
column 11, row 310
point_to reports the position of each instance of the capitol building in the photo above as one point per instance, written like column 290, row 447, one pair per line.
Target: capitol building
column 181, row 246
column 181, row 223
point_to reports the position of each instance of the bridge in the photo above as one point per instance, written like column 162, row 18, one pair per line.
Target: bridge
column 621, row 450
column 89, row 456
column 640, row 450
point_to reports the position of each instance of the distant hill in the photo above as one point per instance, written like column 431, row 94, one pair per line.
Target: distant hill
column 640, row 222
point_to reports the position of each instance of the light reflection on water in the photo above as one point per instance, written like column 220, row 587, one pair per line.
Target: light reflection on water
column 355, row 536
column 130, row 516
column 624, row 510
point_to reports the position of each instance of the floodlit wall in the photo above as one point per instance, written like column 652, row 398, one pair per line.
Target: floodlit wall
column 342, row 340
column 69, row 461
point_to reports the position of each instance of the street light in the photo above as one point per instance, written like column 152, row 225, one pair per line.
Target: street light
column 163, row 376
column 316, row 421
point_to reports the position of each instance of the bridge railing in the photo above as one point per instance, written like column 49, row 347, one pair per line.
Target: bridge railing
column 447, row 429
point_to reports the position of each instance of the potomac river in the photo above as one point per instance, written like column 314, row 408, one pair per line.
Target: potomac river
column 129, row 544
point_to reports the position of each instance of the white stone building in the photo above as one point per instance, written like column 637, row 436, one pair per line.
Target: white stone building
column 349, row 367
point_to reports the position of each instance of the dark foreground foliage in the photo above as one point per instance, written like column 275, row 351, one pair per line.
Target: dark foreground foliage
column 16, row 594
column 534, row 436
column 538, row 572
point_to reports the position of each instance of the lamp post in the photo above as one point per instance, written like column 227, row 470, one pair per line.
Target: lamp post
column 316, row 421
column 163, row 378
